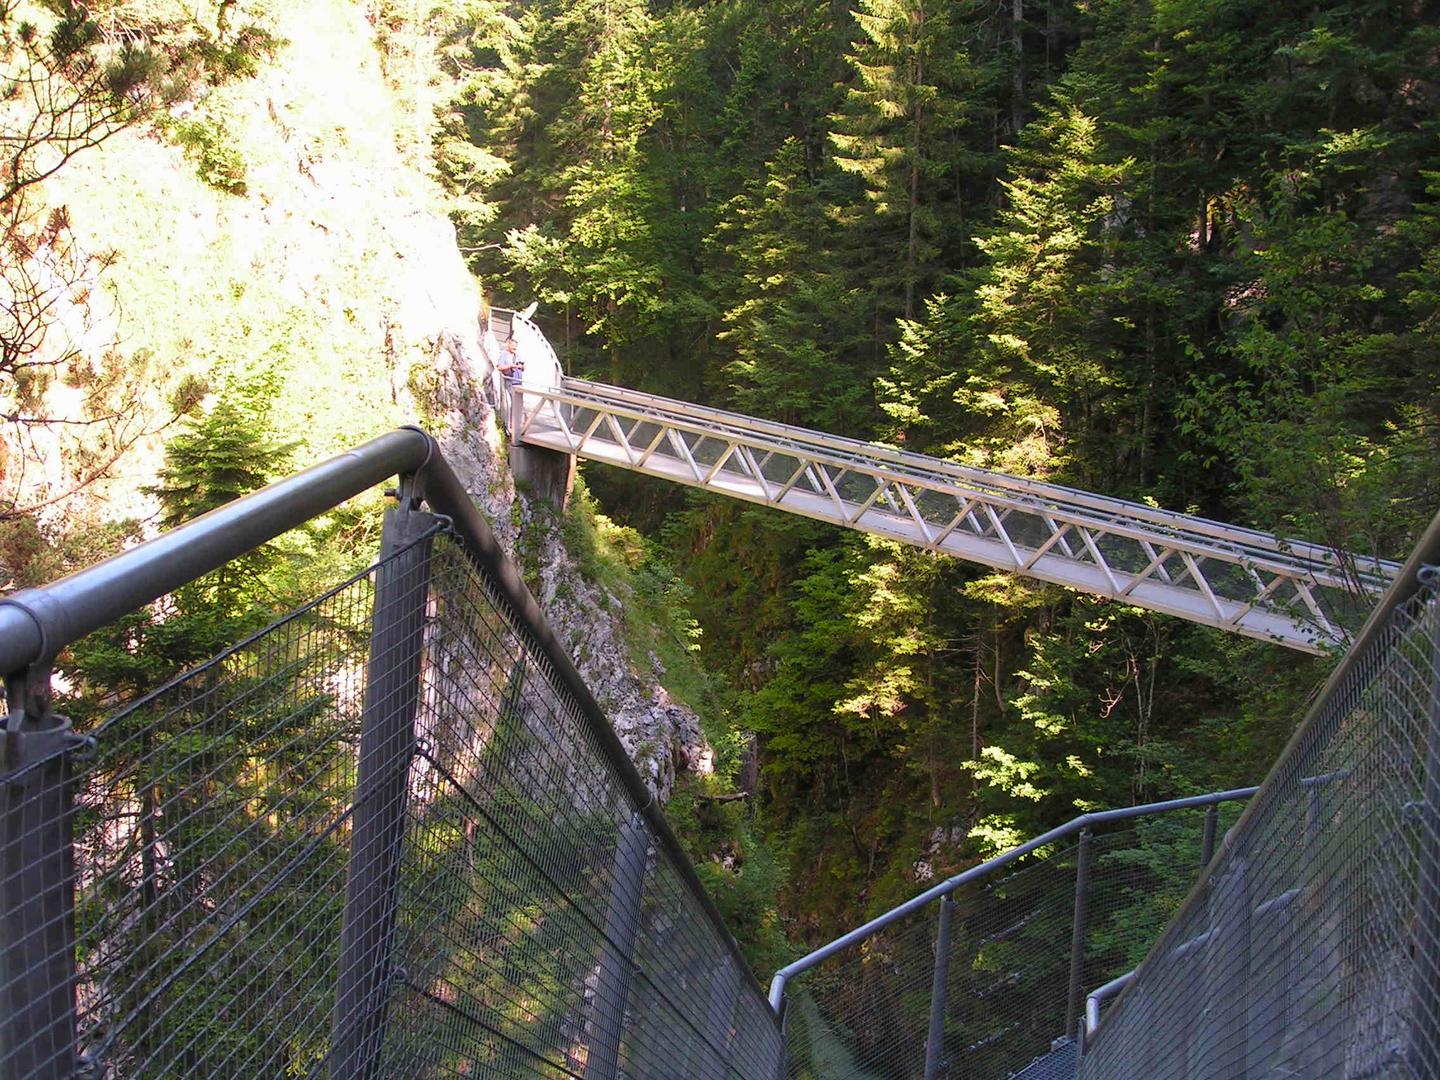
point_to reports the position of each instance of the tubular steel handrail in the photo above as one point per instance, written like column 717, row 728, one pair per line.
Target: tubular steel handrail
column 36, row 624
column 1099, row 996
column 984, row 869
column 1232, row 578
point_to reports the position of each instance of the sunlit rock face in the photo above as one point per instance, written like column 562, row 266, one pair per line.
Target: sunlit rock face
column 437, row 311
column 660, row 735
column 334, row 271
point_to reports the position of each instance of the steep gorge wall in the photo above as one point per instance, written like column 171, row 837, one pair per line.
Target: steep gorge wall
column 327, row 267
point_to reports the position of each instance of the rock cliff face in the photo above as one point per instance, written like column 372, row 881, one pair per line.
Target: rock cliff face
column 336, row 273
column 660, row 734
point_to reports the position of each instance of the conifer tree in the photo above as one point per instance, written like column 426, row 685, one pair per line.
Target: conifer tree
column 218, row 455
column 792, row 306
column 1019, row 361
column 478, row 123
column 901, row 130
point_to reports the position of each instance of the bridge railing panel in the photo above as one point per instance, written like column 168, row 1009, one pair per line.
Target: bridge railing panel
column 1311, row 947
column 983, row 989
column 388, row 835
column 210, row 834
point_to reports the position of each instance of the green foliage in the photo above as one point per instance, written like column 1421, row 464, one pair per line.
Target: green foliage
column 210, row 144
column 789, row 327
column 94, row 70
column 219, row 455
column 1180, row 253
column 902, row 131
column 1183, row 253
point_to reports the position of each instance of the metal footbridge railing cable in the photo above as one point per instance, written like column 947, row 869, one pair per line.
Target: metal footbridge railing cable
column 389, row 835
column 1301, row 595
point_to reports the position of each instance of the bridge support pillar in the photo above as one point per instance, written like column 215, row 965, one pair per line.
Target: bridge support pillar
column 543, row 473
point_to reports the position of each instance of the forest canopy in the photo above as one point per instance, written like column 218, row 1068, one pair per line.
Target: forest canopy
column 1185, row 252
column 1181, row 252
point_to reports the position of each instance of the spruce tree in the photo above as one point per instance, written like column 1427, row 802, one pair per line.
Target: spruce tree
column 901, row 131
column 793, row 358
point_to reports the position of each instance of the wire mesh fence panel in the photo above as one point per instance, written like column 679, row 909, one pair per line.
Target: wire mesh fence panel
column 866, row 1013
column 1009, row 968
column 1139, row 876
column 544, row 929
column 1311, row 948
column 862, row 1014
column 380, row 838
column 210, row 834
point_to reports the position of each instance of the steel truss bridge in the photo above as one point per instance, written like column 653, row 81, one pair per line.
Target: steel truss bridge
column 1302, row 595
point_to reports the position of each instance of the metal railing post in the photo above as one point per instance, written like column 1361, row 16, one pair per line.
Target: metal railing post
column 1078, row 931
column 934, row 1041
column 37, row 887
column 1225, row 1017
column 777, row 1044
column 1207, row 836
column 724, row 991
column 622, row 922
column 517, row 411
column 1424, row 1035
column 377, row 828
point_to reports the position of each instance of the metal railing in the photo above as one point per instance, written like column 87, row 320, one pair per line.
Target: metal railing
column 978, row 975
column 1301, row 595
column 1311, row 946
column 389, row 835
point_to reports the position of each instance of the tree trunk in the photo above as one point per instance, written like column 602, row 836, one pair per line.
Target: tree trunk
column 1017, row 77
column 912, row 246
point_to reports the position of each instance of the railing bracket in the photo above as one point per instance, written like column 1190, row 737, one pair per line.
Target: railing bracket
column 19, row 749
column 32, row 732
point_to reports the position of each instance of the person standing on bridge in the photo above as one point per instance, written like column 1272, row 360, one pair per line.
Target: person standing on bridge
column 513, row 368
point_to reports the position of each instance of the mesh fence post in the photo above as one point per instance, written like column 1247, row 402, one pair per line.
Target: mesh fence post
column 1424, row 1037
column 1077, row 931
column 37, row 948
column 781, row 1042
column 1225, row 1016
column 1207, row 836
column 622, row 922
column 935, row 1040
column 724, row 991
column 392, row 697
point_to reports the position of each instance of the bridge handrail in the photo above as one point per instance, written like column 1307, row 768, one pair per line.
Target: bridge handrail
column 1124, row 509
column 984, row 869
column 36, row 624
